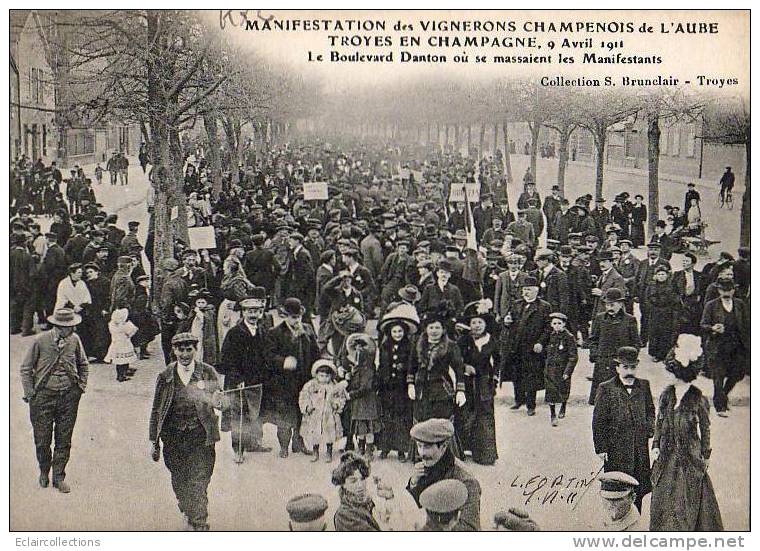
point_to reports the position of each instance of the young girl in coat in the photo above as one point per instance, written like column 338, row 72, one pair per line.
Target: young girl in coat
column 396, row 350
column 121, row 352
column 561, row 359
column 365, row 417
column 321, row 400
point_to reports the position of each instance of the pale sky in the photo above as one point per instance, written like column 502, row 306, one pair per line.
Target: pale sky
column 684, row 56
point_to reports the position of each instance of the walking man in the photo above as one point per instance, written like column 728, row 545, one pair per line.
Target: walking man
column 54, row 375
column 623, row 422
column 183, row 418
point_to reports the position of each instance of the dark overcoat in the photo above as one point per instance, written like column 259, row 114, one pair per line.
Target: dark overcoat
column 622, row 425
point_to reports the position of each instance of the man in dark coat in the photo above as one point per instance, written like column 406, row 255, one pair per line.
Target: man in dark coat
column 21, row 270
column 610, row 330
column 508, row 286
column 528, row 322
column 260, row 264
column 530, row 194
column 292, row 351
column 122, row 286
column 551, row 208
column 661, row 238
column 76, row 245
column 483, row 214
column 725, row 321
column 643, row 279
column 563, row 223
column 437, row 462
column 628, row 267
column 174, row 291
column 55, row 269
column 609, row 278
column 601, row 217
column 244, row 360
column 441, row 290
column 552, row 282
column 301, row 281
column 623, row 422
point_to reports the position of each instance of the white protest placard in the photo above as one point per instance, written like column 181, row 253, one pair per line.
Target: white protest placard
column 456, row 194
column 202, row 237
column 174, row 213
column 417, row 175
column 315, row 191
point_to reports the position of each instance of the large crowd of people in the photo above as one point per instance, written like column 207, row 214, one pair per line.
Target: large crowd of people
column 466, row 296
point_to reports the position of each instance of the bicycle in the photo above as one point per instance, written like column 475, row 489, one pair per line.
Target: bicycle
column 727, row 200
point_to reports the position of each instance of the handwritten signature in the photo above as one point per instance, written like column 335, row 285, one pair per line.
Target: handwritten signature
column 548, row 490
column 238, row 18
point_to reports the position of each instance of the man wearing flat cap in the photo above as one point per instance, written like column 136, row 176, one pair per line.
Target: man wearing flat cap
column 618, row 490
column 129, row 240
column 307, row 513
column 623, row 422
column 122, row 284
column 644, row 277
column 552, row 282
column 433, row 439
column 609, row 278
column 244, row 360
column 183, row 419
column 443, row 502
column 54, row 375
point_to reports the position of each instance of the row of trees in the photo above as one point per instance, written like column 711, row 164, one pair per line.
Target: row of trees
column 426, row 109
column 170, row 71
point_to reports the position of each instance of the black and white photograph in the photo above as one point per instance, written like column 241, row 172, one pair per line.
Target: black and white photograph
column 379, row 270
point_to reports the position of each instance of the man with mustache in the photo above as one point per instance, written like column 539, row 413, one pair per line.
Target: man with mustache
column 623, row 422
column 433, row 440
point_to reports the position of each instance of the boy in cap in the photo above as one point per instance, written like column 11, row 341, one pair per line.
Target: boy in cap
column 183, row 419
column 623, row 422
column 307, row 513
column 443, row 502
column 433, row 439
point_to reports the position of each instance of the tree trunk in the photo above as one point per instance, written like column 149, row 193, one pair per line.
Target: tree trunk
column 744, row 235
column 428, row 133
column 507, row 153
column 437, row 135
column 535, row 131
column 495, row 139
column 469, row 139
column 600, row 140
column 482, row 140
column 653, row 157
column 212, row 132
column 457, row 140
column 564, row 156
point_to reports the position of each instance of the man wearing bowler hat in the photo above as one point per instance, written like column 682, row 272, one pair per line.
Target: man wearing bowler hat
column 609, row 278
column 433, row 439
column 610, row 330
column 183, row 419
column 292, row 351
column 623, row 422
column 54, row 376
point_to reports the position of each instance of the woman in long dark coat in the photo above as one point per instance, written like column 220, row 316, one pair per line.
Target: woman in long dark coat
column 476, row 425
column 396, row 351
column 142, row 316
column 638, row 219
column 100, row 293
column 683, row 498
column 663, row 305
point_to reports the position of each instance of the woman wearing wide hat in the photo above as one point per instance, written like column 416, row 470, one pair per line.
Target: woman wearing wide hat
column 397, row 331
column 475, row 423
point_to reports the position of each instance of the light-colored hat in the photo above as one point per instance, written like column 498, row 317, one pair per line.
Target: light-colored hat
column 65, row 317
